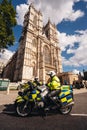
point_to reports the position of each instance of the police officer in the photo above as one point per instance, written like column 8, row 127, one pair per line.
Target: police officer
column 53, row 84
column 36, row 82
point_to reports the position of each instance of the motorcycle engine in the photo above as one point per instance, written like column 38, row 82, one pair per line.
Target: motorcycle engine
column 43, row 90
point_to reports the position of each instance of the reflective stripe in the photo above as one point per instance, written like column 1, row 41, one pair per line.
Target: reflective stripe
column 20, row 100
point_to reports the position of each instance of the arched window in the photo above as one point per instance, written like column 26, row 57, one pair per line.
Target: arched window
column 46, row 53
column 34, row 42
column 35, row 20
column 46, row 33
column 54, row 62
column 34, row 68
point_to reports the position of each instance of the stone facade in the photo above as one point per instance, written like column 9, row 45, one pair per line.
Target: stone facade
column 68, row 77
column 9, row 69
column 38, row 51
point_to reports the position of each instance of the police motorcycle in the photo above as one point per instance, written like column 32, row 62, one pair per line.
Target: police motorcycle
column 37, row 98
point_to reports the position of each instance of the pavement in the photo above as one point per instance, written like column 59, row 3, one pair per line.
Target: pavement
column 78, row 91
column 9, row 98
column 6, row 98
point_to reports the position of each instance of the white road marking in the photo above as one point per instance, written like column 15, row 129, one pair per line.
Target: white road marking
column 7, row 112
column 78, row 114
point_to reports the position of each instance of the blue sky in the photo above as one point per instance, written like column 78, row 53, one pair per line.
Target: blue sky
column 70, row 17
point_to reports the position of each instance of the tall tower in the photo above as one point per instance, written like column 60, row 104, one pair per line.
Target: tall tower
column 27, row 59
column 55, row 52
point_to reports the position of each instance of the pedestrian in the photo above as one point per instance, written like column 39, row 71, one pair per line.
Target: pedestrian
column 85, row 84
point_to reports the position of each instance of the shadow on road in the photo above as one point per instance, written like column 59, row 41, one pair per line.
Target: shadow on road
column 10, row 110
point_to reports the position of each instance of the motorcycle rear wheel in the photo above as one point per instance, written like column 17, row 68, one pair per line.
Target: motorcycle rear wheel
column 66, row 110
column 23, row 110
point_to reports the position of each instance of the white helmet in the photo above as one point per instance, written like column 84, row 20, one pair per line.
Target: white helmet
column 51, row 73
column 36, row 78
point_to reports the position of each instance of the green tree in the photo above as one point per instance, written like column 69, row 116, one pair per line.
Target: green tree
column 7, row 22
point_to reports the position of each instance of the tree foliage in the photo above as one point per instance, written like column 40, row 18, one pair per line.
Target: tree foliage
column 7, row 22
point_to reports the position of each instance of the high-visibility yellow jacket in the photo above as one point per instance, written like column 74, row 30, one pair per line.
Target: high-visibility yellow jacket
column 36, row 83
column 54, row 83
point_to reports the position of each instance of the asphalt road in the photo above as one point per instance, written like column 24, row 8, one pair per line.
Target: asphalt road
column 77, row 120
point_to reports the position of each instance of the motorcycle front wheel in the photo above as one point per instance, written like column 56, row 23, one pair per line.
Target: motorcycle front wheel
column 23, row 110
column 66, row 110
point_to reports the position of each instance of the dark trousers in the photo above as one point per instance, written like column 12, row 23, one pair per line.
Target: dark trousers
column 54, row 93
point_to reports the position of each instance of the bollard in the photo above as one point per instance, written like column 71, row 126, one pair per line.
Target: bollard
column 8, row 90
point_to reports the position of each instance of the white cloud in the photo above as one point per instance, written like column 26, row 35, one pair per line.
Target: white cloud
column 51, row 9
column 5, row 56
column 74, row 15
column 66, row 40
column 75, row 71
column 80, row 53
column 21, row 10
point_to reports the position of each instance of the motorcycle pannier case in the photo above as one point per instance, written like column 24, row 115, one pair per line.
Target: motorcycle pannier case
column 66, row 97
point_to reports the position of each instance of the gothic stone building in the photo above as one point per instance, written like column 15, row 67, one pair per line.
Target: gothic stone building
column 38, row 51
